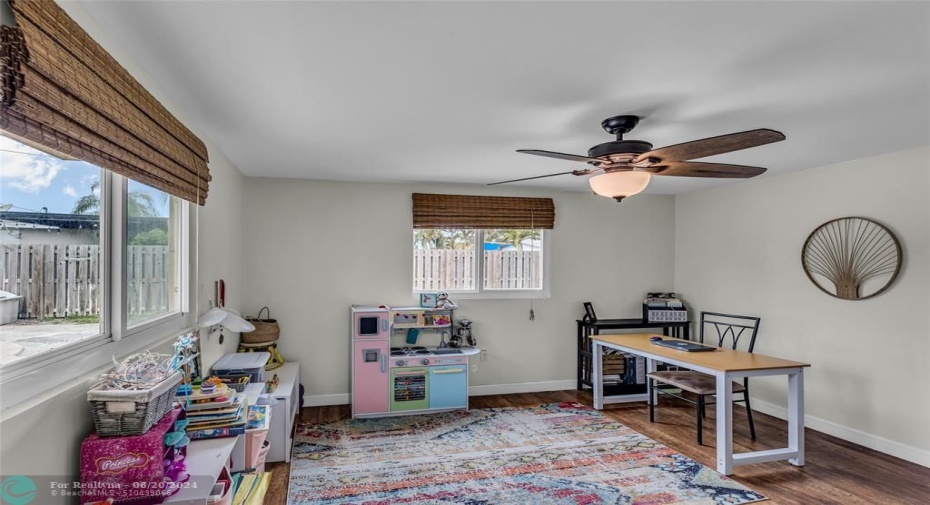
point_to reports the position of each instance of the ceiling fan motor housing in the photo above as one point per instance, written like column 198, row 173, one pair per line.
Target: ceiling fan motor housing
column 634, row 147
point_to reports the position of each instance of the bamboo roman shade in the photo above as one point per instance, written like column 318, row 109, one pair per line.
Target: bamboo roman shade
column 63, row 93
column 462, row 211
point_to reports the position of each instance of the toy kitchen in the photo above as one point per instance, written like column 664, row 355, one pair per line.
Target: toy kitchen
column 407, row 378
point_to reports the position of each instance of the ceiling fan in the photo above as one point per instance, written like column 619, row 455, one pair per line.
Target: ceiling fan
column 624, row 167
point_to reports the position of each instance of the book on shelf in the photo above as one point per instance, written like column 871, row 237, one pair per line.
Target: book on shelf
column 213, row 403
column 220, row 429
column 258, row 418
column 251, row 488
column 629, row 371
column 205, row 425
column 232, row 409
column 214, row 421
column 227, row 431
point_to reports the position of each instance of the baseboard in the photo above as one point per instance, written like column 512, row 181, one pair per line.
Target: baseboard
column 855, row 436
column 521, row 387
column 493, row 389
column 323, row 400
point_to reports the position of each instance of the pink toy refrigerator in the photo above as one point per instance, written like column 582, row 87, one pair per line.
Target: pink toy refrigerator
column 371, row 342
column 140, row 469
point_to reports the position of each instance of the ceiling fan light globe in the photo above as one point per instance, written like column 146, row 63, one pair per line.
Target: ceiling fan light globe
column 619, row 185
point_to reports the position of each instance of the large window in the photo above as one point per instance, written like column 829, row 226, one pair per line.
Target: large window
column 87, row 259
column 508, row 261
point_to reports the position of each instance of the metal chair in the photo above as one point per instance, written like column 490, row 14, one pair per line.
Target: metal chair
column 728, row 329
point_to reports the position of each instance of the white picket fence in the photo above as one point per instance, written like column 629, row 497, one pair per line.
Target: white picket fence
column 451, row 269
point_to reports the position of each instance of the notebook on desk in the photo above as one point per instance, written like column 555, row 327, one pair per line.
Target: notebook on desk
column 685, row 346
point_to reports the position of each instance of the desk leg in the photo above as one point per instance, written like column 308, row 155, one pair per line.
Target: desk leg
column 724, row 424
column 597, row 379
column 796, row 416
column 651, row 367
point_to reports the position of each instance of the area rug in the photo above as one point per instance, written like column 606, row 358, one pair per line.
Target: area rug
column 551, row 454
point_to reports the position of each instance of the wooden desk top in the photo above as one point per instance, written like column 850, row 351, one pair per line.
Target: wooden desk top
column 724, row 360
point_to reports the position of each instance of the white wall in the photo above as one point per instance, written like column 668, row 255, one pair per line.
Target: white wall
column 315, row 247
column 738, row 250
column 222, row 237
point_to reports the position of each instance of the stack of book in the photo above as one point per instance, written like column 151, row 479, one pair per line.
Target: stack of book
column 220, row 413
column 663, row 308
column 251, row 488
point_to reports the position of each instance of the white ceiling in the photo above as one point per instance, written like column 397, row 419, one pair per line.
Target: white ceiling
column 447, row 91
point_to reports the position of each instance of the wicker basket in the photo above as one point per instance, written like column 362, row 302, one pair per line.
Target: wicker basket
column 236, row 381
column 266, row 330
column 120, row 413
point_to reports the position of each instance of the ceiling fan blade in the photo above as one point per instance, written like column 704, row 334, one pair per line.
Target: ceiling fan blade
column 713, row 145
column 573, row 172
column 697, row 169
column 561, row 156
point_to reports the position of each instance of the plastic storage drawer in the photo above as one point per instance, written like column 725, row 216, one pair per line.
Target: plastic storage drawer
column 252, row 363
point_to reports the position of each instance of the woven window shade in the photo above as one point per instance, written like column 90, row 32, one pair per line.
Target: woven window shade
column 64, row 94
column 461, row 211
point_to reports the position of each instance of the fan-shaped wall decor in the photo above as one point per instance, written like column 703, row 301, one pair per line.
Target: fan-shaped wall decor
column 852, row 258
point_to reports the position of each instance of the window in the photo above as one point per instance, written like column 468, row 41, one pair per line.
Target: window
column 152, row 273
column 125, row 302
column 511, row 262
column 90, row 262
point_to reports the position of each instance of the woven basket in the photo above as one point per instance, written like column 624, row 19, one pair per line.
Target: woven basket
column 236, row 381
column 266, row 330
column 119, row 413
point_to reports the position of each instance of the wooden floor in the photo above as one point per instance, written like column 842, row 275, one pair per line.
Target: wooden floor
column 837, row 472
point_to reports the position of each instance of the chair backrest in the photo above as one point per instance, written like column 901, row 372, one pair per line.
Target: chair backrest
column 729, row 329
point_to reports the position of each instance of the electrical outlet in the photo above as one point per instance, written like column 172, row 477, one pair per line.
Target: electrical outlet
column 484, row 356
column 474, row 368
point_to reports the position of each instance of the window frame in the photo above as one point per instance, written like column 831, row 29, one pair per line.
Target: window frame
column 35, row 379
column 480, row 293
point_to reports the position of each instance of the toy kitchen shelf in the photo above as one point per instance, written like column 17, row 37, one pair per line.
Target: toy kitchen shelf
column 423, row 318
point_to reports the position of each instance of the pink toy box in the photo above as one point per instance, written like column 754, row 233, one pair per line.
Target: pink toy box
column 138, row 469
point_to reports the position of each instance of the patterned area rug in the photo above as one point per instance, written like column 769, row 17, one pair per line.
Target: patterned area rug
column 551, row 454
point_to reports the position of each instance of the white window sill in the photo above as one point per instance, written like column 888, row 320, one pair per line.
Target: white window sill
column 541, row 294
column 61, row 371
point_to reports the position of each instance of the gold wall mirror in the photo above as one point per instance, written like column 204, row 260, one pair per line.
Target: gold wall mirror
column 852, row 258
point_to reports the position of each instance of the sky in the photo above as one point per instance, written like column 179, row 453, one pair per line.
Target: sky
column 31, row 180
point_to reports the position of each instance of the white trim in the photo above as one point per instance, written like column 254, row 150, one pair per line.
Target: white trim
column 492, row 389
column 324, row 400
column 522, row 387
column 880, row 444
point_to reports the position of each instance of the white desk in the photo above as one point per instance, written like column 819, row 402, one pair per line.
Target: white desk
column 206, row 459
column 726, row 365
